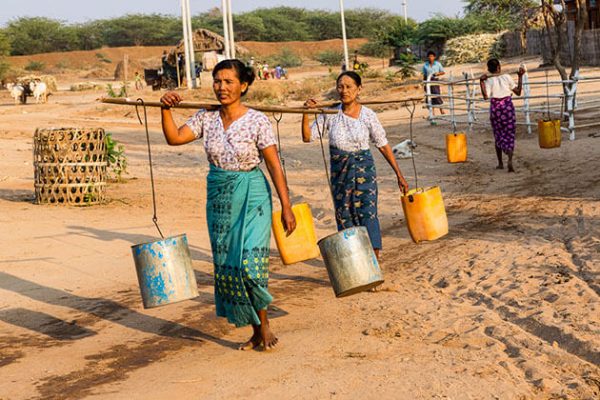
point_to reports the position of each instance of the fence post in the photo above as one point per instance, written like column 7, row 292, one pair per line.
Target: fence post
column 468, row 100
column 527, row 90
column 571, row 92
column 451, row 96
column 428, row 95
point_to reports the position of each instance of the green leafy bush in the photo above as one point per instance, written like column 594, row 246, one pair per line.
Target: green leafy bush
column 117, row 161
column 35, row 66
column 330, row 57
column 102, row 57
column 110, row 90
column 375, row 49
column 286, row 58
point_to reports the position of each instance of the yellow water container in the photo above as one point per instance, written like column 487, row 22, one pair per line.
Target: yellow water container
column 456, row 147
column 425, row 214
column 301, row 245
column 549, row 134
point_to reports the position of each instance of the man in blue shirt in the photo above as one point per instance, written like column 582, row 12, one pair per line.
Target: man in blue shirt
column 434, row 69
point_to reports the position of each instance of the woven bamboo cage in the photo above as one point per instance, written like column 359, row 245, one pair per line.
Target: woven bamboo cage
column 70, row 166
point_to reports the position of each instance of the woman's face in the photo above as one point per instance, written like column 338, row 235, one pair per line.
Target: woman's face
column 348, row 90
column 227, row 86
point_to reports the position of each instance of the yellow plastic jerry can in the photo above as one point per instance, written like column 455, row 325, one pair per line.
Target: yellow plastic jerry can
column 456, row 147
column 425, row 214
column 301, row 245
column 549, row 134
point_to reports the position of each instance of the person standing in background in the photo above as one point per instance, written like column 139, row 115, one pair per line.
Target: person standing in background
column 434, row 69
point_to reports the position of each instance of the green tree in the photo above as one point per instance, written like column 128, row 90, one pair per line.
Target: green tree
column 40, row 35
column 4, row 43
column 4, row 51
column 434, row 32
column 248, row 27
column 514, row 14
column 141, row 30
column 399, row 34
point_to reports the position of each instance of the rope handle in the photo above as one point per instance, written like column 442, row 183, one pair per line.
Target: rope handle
column 411, row 111
column 278, row 117
column 321, row 131
column 140, row 102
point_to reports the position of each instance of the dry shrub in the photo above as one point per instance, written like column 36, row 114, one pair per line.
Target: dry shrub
column 266, row 92
column 96, row 73
column 309, row 88
column 473, row 48
column 82, row 86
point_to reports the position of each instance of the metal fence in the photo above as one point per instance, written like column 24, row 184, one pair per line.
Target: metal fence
column 465, row 103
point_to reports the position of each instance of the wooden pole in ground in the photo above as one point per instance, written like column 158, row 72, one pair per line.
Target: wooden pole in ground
column 125, row 67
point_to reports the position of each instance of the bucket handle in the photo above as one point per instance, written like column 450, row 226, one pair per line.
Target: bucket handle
column 278, row 117
column 411, row 111
column 140, row 102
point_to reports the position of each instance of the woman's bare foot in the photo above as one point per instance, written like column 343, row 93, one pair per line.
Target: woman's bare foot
column 500, row 166
column 254, row 341
column 268, row 338
column 510, row 168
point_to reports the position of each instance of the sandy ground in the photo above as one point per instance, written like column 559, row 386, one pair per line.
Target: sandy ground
column 504, row 307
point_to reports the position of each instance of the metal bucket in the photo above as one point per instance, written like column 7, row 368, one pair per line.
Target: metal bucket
column 164, row 271
column 350, row 261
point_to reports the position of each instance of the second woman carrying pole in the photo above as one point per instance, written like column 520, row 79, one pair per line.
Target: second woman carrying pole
column 353, row 175
column 238, row 207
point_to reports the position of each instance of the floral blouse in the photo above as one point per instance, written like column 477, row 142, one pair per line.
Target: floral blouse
column 238, row 147
column 351, row 134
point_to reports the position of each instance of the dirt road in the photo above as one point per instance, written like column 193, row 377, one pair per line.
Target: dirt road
column 504, row 307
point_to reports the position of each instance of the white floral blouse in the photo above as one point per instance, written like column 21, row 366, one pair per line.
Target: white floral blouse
column 351, row 134
column 238, row 147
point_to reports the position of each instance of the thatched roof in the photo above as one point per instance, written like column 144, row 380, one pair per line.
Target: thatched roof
column 205, row 40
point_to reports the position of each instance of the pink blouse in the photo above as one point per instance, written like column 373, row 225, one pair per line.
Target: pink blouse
column 238, row 147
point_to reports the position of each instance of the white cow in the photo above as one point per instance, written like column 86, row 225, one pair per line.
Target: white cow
column 16, row 91
column 404, row 149
column 39, row 90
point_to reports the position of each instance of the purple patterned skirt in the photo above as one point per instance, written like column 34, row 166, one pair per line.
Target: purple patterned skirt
column 504, row 123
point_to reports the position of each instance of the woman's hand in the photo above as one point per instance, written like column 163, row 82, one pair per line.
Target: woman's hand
column 402, row 184
column 171, row 99
column 521, row 71
column 288, row 220
column 483, row 78
column 310, row 103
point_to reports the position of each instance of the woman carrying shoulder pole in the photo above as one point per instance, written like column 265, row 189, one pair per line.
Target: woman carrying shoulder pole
column 353, row 174
column 499, row 88
column 238, row 207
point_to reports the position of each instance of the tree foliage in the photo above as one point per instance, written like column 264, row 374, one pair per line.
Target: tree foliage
column 513, row 14
column 4, row 51
column 39, row 35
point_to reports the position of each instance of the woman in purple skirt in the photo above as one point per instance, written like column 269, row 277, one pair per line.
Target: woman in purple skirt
column 499, row 88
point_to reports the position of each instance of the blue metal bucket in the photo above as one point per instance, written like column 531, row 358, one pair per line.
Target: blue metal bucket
column 351, row 262
column 164, row 271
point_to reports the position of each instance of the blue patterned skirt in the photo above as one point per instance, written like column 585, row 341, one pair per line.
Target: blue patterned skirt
column 238, row 212
column 354, row 184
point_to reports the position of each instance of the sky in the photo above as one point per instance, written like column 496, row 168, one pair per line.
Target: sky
column 85, row 10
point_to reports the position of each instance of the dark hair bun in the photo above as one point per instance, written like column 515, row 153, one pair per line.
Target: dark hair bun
column 247, row 75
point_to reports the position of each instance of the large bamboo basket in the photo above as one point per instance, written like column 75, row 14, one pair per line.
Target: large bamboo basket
column 70, row 166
